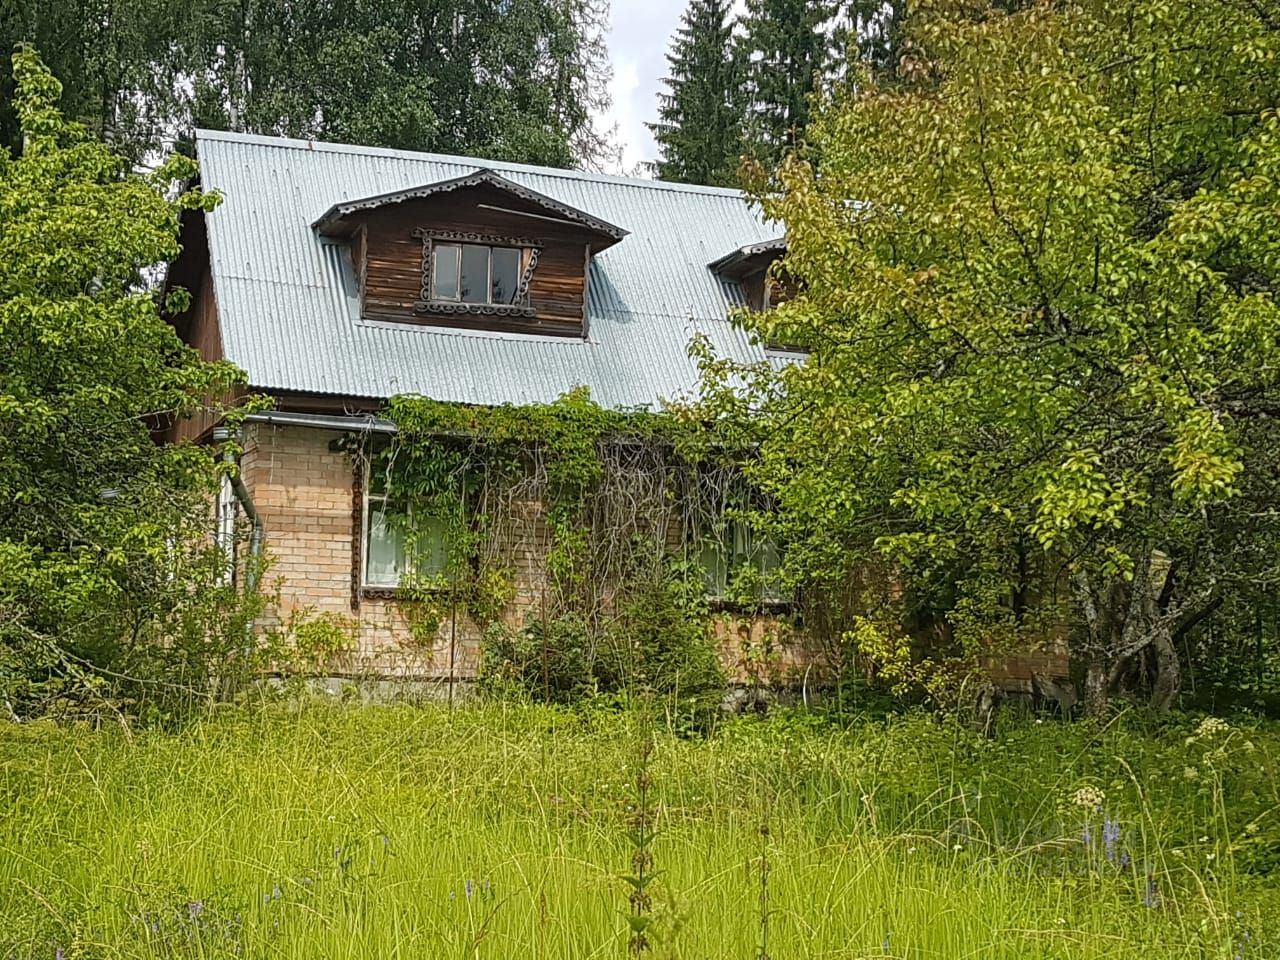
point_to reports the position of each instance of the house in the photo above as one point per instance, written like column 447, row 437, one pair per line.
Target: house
column 340, row 276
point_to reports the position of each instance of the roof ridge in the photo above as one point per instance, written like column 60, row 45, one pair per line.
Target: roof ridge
column 324, row 146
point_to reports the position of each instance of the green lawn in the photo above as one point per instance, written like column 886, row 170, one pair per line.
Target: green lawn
column 502, row 832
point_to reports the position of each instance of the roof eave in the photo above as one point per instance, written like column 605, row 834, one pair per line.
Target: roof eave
column 330, row 222
column 737, row 263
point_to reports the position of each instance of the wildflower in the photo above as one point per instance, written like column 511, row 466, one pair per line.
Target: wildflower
column 57, row 954
column 1090, row 798
column 468, row 888
column 1085, row 836
column 194, row 909
column 1124, row 860
column 1190, row 773
column 1110, row 837
column 1211, row 727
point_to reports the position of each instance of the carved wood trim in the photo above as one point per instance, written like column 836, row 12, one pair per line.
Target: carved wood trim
column 357, row 529
column 522, row 308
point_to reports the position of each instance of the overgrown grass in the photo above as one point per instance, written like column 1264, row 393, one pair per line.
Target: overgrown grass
column 502, row 832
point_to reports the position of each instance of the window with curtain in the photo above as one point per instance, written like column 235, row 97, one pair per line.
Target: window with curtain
column 396, row 541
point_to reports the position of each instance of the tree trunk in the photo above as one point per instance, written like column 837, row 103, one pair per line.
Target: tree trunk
column 1168, row 682
column 1095, row 688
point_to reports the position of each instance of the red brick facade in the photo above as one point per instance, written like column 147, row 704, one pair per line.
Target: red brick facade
column 306, row 491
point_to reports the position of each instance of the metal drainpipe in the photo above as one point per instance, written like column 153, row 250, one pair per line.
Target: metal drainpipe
column 253, row 571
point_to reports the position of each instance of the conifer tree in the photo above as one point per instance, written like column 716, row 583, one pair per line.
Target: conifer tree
column 699, row 128
column 786, row 46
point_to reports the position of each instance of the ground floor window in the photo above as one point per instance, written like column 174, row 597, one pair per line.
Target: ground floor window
column 738, row 560
column 397, row 541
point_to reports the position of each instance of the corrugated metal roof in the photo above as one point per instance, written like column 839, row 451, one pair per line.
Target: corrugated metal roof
column 289, row 317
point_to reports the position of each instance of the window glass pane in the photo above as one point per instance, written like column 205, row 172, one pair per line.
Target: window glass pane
column 771, row 586
column 475, row 274
column 444, row 271
column 715, row 563
column 429, row 545
column 384, row 546
column 506, row 274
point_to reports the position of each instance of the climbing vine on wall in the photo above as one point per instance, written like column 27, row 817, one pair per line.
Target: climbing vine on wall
column 603, row 511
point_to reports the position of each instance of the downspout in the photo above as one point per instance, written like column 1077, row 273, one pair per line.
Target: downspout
column 253, row 570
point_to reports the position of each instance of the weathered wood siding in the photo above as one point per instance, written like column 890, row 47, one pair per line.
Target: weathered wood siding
column 391, row 278
column 199, row 328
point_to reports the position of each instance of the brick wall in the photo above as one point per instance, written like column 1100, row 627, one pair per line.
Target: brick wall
column 303, row 489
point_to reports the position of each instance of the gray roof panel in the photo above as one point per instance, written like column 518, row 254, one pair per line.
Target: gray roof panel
column 289, row 316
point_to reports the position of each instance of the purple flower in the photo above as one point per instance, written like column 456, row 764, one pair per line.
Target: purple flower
column 194, row 909
column 57, row 953
column 1124, row 860
column 1110, row 836
column 468, row 887
column 1085, row 836
column 884, row 947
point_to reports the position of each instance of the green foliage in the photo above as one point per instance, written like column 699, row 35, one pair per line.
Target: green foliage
column 516, row 81
column 623, row 607
column 1037, row 276
column 548, row 661
column 786, row 45
column 306, row 642
column 657, row 641
column 107, row 571
column 700, row 116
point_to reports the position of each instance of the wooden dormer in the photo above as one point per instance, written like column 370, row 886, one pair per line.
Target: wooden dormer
column 479, row 251
column 753, row 268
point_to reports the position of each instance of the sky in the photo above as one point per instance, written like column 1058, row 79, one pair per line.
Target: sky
column 640, row 31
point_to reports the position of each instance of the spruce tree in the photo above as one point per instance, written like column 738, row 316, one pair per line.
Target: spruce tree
column 786, row 46
column 699, row 128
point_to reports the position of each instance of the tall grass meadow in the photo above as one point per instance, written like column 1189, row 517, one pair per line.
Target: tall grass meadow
column 500, row 831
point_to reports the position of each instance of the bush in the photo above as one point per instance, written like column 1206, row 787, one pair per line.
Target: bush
column 658, row 641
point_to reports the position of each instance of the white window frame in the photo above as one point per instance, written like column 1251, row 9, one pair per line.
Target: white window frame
column 369, row 498
column 522, row 260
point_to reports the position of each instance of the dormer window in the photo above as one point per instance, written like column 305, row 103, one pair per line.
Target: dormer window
column 474, row 273
column 478, row 252
column 752, row 268
column 463, row 276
